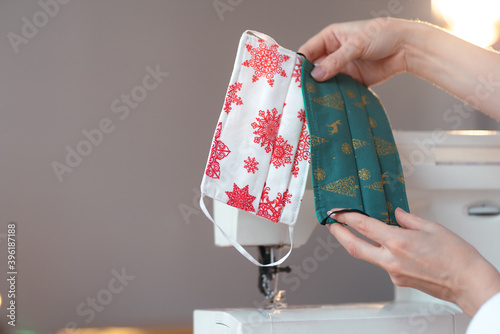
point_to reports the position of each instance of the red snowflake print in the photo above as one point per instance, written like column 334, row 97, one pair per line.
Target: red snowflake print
column 297, row 72
column 295, row 168
column 272, row 209
column 303, row 149
column 218, row 151
column 266, row 62
column 231, row 96
column 282, row 152
column 302, row 116
column 240, row 198
column 251, row 165
column 267, row 127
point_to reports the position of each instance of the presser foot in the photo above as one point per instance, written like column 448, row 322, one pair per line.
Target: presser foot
column 268, row 279
column 276, row 302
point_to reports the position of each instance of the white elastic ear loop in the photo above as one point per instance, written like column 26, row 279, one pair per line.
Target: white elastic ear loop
column 240, row 248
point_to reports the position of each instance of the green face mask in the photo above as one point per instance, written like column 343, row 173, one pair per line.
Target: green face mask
column 354, row 160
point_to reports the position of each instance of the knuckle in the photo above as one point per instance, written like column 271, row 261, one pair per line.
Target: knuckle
column 352, row 249
column 393, row 268
column 329, row 34
column 331, row 62
column 362, row 227
column 356, row 45
column 396, row 243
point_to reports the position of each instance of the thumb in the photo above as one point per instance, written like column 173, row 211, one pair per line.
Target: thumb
column 336, row 61
column 409, row 221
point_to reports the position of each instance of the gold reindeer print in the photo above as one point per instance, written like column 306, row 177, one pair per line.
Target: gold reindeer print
column 334, row 127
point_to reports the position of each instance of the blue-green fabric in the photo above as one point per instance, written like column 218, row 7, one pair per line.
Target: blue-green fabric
column 354, row 160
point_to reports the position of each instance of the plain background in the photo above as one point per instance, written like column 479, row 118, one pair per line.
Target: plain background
column 120, row 209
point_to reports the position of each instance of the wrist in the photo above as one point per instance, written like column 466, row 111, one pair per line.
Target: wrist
column 480, row 284
column 418, row 54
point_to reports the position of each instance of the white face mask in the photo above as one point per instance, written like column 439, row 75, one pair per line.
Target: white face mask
column 260, row 153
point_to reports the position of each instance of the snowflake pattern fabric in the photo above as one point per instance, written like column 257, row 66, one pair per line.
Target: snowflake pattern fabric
column 232, row 96
column 218, row 151
column 271, row 209
column 259, row 158
column 304, row 145
column 297, row 73
column 266, row 61
column 240, row 198
column 282, row 153
column 251, row 165
column 267, row 126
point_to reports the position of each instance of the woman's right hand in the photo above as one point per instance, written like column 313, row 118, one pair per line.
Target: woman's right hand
column 370, row 51
column 373, row 51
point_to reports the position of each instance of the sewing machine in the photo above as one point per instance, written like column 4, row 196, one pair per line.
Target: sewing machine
column 451, row 177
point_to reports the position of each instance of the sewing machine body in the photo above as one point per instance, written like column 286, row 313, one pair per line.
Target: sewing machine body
column 452, row 178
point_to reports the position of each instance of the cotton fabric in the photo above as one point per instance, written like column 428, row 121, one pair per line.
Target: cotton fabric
column 355, row 163
column 259, row 158
column 486, row 320
column 276, row 119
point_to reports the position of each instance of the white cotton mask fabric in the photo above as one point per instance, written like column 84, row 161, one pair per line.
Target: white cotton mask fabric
column 259, row 158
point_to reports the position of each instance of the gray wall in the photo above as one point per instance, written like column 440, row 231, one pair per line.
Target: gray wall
column 119, row 208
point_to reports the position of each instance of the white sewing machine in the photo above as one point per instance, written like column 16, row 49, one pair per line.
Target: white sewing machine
column 451, row 177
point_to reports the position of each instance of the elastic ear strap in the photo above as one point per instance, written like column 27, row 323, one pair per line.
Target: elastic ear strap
column 240, row 248
column 325, row 221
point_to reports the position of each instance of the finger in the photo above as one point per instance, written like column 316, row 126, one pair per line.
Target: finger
column 336, row 61
column 369, row 227
column 355, row 246
column 315, row 47
column 410, row 221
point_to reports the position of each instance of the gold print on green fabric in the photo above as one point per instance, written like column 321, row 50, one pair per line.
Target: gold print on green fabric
column 401, row 178
column 334, row 127
column 364, row 174
column 363, row 103
column 386, row 220
column 319, row 174
column 350, row 93
column 389, row 206
column 346, row 186
column 378, row 186
column 310, row 87
column 358, row 143
column 383, row 147
column 333, row 100
column 384, row 176
column 346, row 148
column 315, row 140
column 373, row 122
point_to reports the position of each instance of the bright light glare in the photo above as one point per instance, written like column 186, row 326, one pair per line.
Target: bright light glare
column 475, row 21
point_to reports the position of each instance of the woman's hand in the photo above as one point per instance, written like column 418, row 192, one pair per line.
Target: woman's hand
column 370, row 51
column 373, row 51
column 422, row 255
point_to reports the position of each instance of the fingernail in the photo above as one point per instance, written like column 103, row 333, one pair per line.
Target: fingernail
column 399, row 209
column 329, row 213
column 318, row 73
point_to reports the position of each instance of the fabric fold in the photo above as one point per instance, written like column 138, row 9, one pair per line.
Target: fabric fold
column 354, row 159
